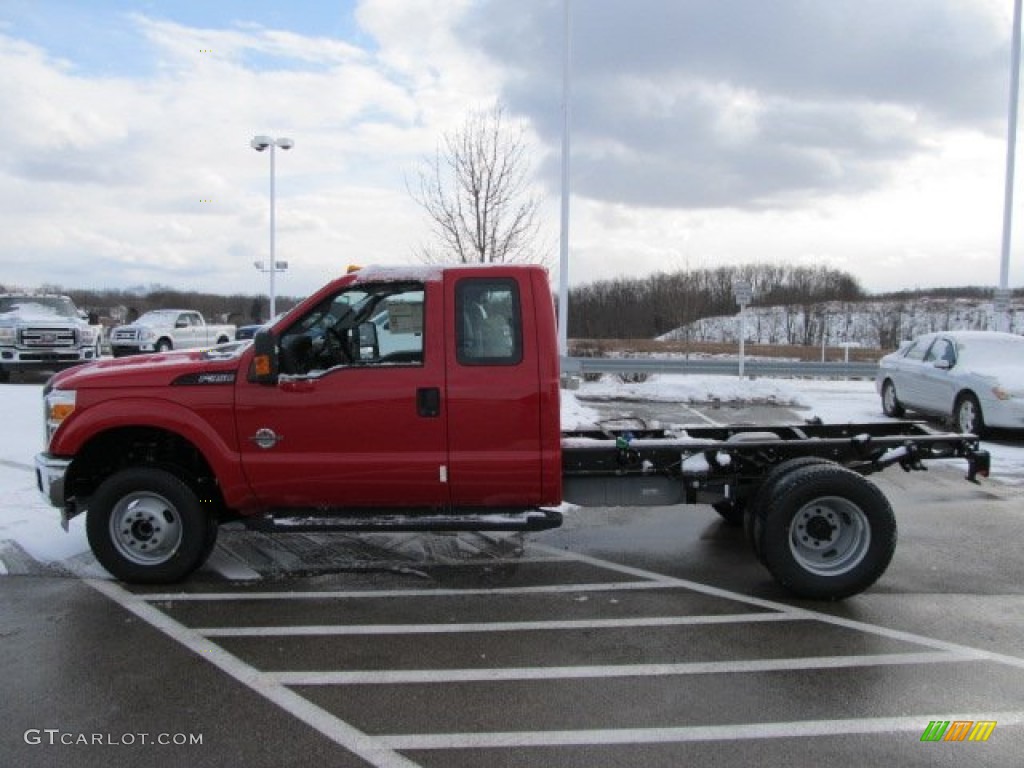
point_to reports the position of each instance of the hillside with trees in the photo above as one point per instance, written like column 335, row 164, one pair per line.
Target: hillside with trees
column 792, row 306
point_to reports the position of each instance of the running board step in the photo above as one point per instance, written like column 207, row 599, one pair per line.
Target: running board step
column 529, row 520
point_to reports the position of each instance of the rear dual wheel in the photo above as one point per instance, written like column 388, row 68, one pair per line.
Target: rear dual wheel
column 826, row 532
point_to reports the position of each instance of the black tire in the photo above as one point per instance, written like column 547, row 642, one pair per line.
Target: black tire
column 827, row 533
column 967, row 415
column 164, row 345
column 147, row 526
column 732, row 512
column 212, row 529
column 5, row 376
column 751, row 518
column 891, row 405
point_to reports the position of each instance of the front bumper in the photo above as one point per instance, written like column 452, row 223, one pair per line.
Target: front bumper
column 50, row 474
column 28, row 360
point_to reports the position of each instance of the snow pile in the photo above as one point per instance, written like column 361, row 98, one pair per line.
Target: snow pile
column 680, row 388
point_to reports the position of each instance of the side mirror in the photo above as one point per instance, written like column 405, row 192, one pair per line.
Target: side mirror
column 943, row 365
column 264, row 366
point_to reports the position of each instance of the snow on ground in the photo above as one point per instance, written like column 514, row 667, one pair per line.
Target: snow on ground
column 28, row 520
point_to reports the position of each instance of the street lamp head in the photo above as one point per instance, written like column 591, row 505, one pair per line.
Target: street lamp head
column 259, row 143
column 285, row 143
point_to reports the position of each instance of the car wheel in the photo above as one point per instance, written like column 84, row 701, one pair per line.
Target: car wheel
column 891, row 405
column 163, row 346
column 967, row 416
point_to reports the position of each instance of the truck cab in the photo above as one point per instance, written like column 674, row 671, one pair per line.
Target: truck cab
column 422, row 389
column 427, row 392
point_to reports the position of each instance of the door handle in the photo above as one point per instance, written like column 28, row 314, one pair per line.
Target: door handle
column 297, row 385
column 428, row 402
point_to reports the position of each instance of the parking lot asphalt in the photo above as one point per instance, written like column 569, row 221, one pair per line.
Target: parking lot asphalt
column 626, row 637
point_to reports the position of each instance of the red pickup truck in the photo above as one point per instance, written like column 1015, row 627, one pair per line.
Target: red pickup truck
column 427, row 398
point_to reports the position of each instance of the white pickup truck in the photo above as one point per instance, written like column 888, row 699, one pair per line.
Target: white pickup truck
column 165, row 329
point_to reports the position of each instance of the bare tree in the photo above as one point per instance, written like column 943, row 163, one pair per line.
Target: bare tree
column 476, row 193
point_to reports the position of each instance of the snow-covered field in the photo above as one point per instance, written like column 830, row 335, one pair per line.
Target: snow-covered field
column 27, row 520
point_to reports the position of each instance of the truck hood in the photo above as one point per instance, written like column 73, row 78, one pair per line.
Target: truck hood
column 39, row 316
column 211, row 366
column 140, row 326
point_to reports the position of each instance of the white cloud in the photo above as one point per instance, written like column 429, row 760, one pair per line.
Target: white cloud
column 865, row 134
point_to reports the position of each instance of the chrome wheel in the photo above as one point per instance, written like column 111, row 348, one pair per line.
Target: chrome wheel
column 145, row 528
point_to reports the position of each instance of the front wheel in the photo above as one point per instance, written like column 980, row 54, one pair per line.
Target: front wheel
column 827, row 533
column 164, row 345
column 146, row 526
column 967, row 416
column 891, row 405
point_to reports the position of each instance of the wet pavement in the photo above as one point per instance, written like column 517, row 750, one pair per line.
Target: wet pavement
column 626, row 637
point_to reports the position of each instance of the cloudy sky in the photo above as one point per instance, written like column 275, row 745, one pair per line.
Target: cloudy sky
column 866, row 135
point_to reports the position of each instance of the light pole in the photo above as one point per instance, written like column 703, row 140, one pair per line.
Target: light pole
column 260, row 143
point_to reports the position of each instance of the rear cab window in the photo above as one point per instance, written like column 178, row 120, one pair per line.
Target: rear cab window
column 488, row 327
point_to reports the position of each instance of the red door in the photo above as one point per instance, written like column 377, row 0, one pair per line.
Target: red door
column 493, row 405
column 366, row 429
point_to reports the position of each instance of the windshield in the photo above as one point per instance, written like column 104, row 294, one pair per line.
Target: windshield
column 158, row 316
column 59, row 306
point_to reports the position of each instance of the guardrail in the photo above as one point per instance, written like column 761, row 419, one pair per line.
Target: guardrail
column 752, row 368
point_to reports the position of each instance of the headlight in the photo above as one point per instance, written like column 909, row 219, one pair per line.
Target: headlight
column 7, row 335
column 58, row 404
column 1001, row 394
column 147, row 334
column 88, row 335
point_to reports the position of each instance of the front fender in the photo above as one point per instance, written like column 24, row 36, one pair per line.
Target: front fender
column 210, row 428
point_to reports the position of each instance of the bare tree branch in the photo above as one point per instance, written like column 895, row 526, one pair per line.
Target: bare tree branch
column 475, row 190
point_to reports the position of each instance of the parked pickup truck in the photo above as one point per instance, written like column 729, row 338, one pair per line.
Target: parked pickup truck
column 165, row 329
column 43, row 331
column 325, row 421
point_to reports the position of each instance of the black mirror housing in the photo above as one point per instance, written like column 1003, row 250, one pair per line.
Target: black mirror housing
column 264, row 366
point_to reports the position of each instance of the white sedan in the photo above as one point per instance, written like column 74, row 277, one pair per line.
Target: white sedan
column 974, row 377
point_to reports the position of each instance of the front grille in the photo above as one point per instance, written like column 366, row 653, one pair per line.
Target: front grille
column 49, row 357
column 48, row 338
column 125, row 335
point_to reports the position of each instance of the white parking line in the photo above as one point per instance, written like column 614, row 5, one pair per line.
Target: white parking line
column 377, row 594
column 873, row 629
column 383, row 750
column 603, row 737
column 492, row 626
column 507, row 674
column 337, row 730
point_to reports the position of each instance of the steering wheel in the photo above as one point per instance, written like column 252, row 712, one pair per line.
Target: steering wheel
column 336, row 346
